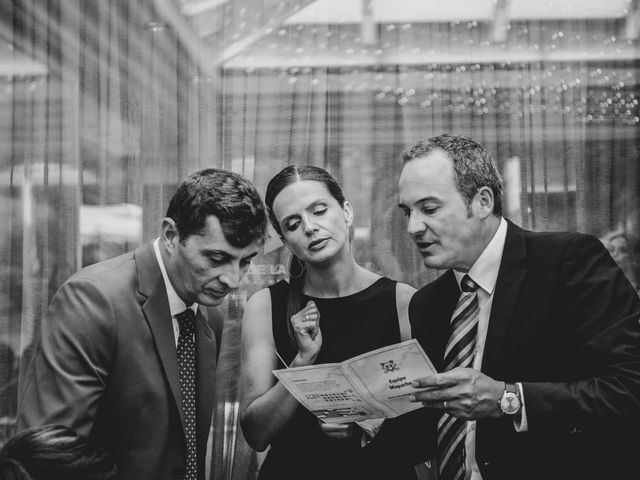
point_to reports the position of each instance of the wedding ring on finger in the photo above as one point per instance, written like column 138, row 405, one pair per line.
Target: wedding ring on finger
column 444, row 404
column 306, row 317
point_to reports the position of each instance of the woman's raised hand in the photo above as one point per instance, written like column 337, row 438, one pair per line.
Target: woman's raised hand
column 306, row 328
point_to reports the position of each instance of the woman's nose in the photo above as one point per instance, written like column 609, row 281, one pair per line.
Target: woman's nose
column 308, row 224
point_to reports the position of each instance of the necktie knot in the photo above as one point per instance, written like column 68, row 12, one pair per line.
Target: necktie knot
column 186, row 321
column 467, row 284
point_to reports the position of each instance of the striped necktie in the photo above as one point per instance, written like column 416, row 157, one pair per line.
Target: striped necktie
column 459, row 352
column 187, row 371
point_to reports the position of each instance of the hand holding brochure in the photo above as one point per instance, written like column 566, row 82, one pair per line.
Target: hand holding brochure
column 375, row 384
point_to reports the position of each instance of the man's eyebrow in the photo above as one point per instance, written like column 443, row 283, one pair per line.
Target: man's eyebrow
column 224, row 254
column 216, row 253
column 422, row 200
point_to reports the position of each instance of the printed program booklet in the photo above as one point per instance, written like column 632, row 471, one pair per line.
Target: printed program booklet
column 376, row 384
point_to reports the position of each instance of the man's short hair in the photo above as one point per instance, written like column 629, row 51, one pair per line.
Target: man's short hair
column 473, row 166
column 227, row 195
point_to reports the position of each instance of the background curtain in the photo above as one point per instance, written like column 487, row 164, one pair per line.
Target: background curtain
column 106, row 105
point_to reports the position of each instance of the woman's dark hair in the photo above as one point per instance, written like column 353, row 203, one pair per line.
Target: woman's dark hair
column 285, row 177
column 230, row 197
column 52, row 452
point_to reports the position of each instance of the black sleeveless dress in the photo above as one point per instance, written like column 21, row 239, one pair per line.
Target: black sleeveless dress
column 350, row 325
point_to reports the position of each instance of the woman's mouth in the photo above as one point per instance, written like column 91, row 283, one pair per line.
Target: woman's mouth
column 318, row 244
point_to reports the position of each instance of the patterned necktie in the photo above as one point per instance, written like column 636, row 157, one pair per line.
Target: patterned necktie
column 187, row 370
column 458, row 353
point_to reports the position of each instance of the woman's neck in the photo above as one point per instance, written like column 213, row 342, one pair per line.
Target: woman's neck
column 337, row 280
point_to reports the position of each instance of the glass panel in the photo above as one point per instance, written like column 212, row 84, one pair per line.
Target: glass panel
column 106, row 106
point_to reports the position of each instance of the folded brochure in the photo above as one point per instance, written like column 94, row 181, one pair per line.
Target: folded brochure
column 376, row 384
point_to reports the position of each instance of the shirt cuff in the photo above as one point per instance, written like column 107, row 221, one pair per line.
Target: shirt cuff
column 520, row 420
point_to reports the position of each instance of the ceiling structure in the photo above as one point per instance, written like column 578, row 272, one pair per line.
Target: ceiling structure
column 297, row 33
column 275, row 34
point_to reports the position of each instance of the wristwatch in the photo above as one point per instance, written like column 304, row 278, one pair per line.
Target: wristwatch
column 510, row 402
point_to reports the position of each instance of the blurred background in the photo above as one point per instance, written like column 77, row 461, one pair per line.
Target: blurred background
column 106, row 105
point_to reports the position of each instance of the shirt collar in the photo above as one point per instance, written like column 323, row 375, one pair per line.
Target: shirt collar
column 176, row 305
column 485, row 269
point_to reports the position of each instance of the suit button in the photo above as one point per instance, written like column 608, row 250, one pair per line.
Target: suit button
column 177, row 473
column 486, row 463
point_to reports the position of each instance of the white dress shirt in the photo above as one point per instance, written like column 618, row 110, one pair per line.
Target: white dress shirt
column 484, row 272
column 176, row 305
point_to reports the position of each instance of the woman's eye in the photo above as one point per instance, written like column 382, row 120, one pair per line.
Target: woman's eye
column 319, row 210
column 290, row 227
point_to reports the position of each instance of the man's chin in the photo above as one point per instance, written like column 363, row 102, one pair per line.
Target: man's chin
column 211, row 300
column 435, row 263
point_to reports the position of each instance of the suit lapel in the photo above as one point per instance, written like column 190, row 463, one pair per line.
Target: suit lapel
column 510, row 278
column 158, row 314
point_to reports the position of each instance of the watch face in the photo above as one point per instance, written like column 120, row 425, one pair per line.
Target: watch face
column 510, row 403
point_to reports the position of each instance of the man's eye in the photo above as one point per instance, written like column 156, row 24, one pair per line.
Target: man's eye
column 216, row 260
column 428, row 210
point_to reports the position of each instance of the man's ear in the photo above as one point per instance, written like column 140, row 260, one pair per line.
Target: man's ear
column 169, row 236
column 485, row 202
column 348, row 213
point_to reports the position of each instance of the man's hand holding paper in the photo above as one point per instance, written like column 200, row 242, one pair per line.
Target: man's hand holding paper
column 463, row 392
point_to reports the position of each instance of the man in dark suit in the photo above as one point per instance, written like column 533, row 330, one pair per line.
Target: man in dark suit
column 128, row 351
column 535, row 335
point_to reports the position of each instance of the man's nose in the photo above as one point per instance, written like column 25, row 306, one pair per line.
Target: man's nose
column 232, row 275
column 415, row 224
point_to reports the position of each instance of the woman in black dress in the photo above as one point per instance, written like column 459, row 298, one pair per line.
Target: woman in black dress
column 331, row 309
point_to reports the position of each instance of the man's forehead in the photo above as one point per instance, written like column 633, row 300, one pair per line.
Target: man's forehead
column 212, row 239
column 434, row 165
column 428, row 178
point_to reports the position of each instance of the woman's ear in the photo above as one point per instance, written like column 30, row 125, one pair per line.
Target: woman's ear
column 348, row 213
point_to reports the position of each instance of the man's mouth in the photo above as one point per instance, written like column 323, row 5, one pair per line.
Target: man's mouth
column 423, row 246
column 217, row 293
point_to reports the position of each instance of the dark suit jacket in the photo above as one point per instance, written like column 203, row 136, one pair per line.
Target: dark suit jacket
column 564, row 322
column 107, row 367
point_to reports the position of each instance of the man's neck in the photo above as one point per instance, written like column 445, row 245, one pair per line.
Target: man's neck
column 488, row 229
